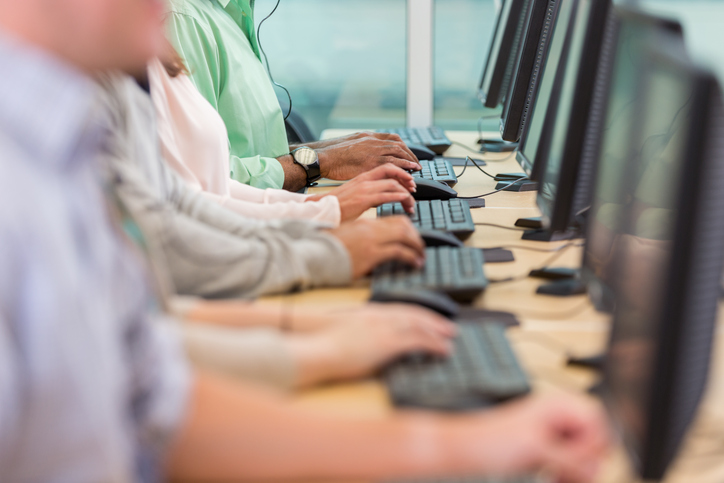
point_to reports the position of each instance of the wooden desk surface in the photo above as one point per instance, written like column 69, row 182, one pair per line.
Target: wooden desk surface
column 551, row 328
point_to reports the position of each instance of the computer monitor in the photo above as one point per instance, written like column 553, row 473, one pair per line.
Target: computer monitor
column 669, row 263
column 560, row 178
column 527, row 68
column 503, row 50
column 533, row 142
column 610, row 128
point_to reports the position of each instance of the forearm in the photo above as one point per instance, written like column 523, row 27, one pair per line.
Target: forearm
column 295, row 177
column 235, row 313
column 234, row 432
column 316, row 144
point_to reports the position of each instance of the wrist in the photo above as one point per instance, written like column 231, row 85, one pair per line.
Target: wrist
column 295, row 176
column 314, row 358
column 324, row 162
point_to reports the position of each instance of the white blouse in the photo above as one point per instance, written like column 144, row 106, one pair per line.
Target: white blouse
column 194, row 143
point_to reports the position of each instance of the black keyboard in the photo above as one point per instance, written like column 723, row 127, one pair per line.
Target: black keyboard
column 437, row 170
column 452, row 216
column 433, row 138
column 482, row 370
column 457, row 272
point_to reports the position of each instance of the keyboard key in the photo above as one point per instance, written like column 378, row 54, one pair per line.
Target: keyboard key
column 457, row 272
column 452, row 216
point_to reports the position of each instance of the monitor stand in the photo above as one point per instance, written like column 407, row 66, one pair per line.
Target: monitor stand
column 522, row 183
column 496, row 146
column 564, row 287
column 550, row 236
column 596, row 363
column 534, row 223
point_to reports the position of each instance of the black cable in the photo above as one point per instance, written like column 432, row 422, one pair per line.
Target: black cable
column 465, row 146
column 468, row 160
column 266, row 59
column 502, row 227
column 492, row 192
column 542, row 250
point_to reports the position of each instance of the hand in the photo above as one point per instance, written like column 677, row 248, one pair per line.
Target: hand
column 349, row 158
column 344, row 139
column 384, row 184
column 368, row 338
column 564, row 436
column 372, row 242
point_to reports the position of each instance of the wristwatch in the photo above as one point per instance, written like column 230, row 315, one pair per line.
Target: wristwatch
column 307, row 158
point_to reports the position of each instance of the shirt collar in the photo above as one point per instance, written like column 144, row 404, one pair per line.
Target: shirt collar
column 242, row 4
column 45, row 104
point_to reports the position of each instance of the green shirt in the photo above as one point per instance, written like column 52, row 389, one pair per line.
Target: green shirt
column 216, row 38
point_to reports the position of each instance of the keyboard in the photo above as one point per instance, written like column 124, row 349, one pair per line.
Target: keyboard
column 433, row 138
column 452, row 216
column 482, row 370
column 457, row 272
column 437, row 170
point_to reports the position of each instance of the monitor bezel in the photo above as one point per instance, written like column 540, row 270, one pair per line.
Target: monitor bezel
column 482, row 95
column 686, row 264
column 559, row 216
column 494, row 97
column 533, row 168
column 603, row 299
column 533, row 54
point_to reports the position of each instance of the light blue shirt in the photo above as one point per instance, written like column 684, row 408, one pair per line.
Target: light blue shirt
column 91, row 384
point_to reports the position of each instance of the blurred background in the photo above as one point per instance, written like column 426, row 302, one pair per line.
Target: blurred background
column 345, row 62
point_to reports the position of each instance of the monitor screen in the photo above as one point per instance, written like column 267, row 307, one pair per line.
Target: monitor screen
column 549, row 181
column 535, row 131
column 506, row 41
column 644, row 254
column 533, row 51
column 495, row 45
column 611, row 193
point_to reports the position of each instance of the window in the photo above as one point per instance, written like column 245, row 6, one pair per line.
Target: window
column 343, row 62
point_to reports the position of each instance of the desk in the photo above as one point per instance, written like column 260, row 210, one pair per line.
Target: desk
column 551, row 328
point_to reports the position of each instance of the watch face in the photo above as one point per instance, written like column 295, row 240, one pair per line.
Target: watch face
column 305, row 156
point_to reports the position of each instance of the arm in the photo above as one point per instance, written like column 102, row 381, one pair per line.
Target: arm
column 360, row 342
column 325, row 210
column 234, row 432
column 199, row 49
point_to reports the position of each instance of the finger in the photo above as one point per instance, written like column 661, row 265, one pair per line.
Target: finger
column 401, row 163
column 568, row 467
column 402, row 151
column 390, row 171
column 377, row 199
column 398, row 252
column 400, row 229
column 408, row 204
column 382, row 185
column 434, row 321
column 388, row 137
column 420, row 336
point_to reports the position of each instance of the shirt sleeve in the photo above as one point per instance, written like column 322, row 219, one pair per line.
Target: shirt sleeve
column 9, row 389
column 257, row 354
column 257, row 171
column 200, row 51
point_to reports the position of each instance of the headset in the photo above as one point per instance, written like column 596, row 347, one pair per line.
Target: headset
column 266, row 60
